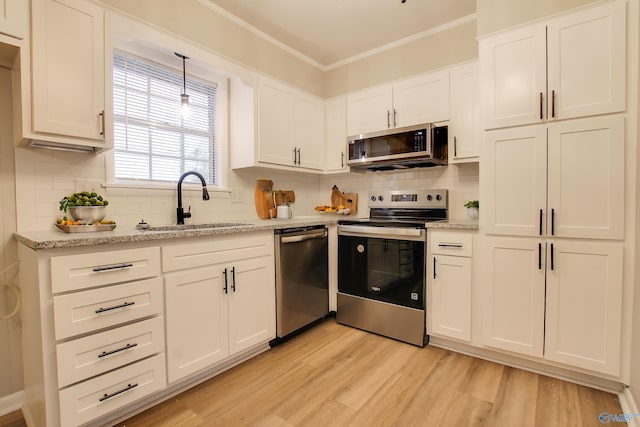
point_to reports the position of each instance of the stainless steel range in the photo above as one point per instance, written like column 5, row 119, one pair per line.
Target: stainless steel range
column 382, row 263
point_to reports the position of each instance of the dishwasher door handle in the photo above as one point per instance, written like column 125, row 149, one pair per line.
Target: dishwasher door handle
column 303, row 237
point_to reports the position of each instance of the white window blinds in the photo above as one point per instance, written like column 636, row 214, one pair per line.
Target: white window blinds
column 152, row 140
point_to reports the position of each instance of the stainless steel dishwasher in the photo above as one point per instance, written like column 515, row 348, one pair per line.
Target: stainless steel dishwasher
column 302, row 277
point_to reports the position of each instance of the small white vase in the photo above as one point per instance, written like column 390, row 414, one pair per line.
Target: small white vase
column 472, row 213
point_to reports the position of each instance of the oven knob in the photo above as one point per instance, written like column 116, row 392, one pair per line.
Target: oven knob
column 438, row 197
column 373, row 198
column 429, row 197
column 380, row 198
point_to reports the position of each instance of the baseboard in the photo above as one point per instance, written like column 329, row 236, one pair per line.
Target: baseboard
column 11, row 403
column 629, row 407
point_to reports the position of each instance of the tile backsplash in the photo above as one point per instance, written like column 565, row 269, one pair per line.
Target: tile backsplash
column 43, row 177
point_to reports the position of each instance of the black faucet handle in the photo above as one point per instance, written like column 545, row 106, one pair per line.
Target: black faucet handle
column 187, row 214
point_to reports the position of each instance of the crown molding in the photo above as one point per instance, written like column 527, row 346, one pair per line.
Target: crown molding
column 223, row 12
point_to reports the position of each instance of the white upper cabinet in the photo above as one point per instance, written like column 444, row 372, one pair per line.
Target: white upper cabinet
column 586, row 61
column 583, row 55
column 336, row 160
column 14, row 18
column 566, row 184
column 586, row 178
column 410, row 102
column 516, row 181
column 291, row 127
column 68, row 70
column 464, row 118
column 369, row 110
column 309, row 132
column 422, row 99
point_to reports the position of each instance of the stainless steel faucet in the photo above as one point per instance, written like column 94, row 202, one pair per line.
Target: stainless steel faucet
column 181, row 214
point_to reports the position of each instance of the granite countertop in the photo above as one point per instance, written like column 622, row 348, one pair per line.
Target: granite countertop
column 52, row 239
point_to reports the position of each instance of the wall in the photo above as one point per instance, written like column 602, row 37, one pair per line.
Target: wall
column 496, row 15
column 191, row 20
column 451, row 46
column 10, row 350
column 461, row 180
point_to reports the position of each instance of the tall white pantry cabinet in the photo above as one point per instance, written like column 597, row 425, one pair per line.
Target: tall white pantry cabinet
column 552, row 187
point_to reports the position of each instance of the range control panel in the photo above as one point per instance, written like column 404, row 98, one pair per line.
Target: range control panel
column 409, row 198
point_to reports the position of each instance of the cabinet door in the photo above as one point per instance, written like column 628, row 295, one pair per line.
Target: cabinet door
column 450, row 301
column 513, row 71
column 369, row 110
column 196, row 316
column 586, row 60
column 464, row 118
column 586, row 178
column 584, row 305
column 252, row 313
column 423, row 99
column 516, row 181
column 308, row 131
column 514, row 304
column 336, row 160
column 275, row 116
column 14, row 18
column 68, row 68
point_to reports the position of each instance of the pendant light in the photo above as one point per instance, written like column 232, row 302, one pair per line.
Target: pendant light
column 184, row 98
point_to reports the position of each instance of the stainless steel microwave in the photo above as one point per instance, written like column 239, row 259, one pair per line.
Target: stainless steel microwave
column 399, row 148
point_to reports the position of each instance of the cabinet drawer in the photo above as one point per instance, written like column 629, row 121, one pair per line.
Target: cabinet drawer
column 96, row 354
column 73, row 272
column 87, row 311
column 216, row 251
column 104, row 394
column 448, row 243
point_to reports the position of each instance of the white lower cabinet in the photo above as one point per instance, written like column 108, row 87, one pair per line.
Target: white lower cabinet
column 560, row 300
column 215, row 310
column 449, row 304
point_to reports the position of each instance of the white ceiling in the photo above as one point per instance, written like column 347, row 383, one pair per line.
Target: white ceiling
column 331, row 32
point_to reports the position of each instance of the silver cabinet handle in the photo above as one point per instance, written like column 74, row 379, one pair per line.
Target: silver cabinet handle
column 102, row 125
column 553, row 104
column 455, row 147
column 449, row 245
column 342, row 160
column 434, row 267
column 388, row 119
column 115, row 307
column 395, row 122
column 112, row 267
column 118, row 350
column 295, row 155
column 127, row 388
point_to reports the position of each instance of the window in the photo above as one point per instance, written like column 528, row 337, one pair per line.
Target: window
column 152, row 140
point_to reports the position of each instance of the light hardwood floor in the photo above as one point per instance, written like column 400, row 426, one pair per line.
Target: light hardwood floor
column 333, row 375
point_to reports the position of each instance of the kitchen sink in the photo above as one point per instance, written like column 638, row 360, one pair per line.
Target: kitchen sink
column 178, row 227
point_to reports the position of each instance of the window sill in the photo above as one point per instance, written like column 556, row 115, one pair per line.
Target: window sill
column 163, row 186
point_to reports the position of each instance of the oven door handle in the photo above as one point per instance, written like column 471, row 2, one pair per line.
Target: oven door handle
column 383, row 232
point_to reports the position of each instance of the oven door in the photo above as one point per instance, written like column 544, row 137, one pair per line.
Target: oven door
column 383, row 263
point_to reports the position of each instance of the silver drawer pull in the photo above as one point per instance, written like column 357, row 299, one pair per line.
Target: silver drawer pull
column 449, row 245
column 126, row 347
column 112, row 267
column 125, row 304
column 127, row 388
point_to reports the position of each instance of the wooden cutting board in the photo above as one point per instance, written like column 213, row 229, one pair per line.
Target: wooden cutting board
column 263, row 198
column 348, row 200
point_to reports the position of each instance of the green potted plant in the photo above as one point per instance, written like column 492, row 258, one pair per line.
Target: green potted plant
column 472, row 209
